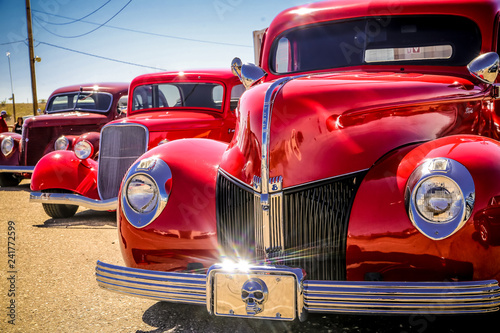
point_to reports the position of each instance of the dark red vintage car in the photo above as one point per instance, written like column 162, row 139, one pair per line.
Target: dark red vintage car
column 363, row 150
column 70, row 112
column 162, row 107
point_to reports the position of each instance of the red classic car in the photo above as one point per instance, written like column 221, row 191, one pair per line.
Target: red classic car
column 162, row 107
column 363, row 149
column 70, row 112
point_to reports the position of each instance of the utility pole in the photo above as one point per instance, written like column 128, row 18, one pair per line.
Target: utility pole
column 12, row 91
column 32, row 58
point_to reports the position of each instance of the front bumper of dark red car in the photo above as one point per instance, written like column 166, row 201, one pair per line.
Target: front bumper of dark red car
column 284, row 293
column 16, row 169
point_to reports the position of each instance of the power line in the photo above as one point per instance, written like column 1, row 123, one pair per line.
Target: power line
column 149, row 33
column 17, row 41
column 80, row 19
column 81, row 35
column 101, row 57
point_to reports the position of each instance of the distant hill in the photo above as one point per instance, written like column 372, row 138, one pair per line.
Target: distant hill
column 22, row 109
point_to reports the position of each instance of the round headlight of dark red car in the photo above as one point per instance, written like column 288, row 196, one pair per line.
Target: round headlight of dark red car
column 62, row 143
column 439, row 197
column 7, row 145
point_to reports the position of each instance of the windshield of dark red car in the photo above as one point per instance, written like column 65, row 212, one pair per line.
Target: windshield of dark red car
column 178, row 95
column 418, row 40
column 84, row 101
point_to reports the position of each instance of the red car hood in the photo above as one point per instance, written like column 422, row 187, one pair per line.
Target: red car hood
column 332, row 124
column 175, row 120
column 66, row 119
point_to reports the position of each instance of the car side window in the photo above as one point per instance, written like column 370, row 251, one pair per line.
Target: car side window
column 236, row 93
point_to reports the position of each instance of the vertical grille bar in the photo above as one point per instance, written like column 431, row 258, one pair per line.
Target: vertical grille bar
column 120, row 145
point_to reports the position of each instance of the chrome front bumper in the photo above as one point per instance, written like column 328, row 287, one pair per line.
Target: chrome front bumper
column 73, row 199
column 16, row 169
column 288, row 295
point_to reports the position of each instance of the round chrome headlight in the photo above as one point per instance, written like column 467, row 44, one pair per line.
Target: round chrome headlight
column 7, row 145
column 83, row 149
column 439, row 199
column 142, row 193
column 61, row 143
column 440, row 196
column 146, row 190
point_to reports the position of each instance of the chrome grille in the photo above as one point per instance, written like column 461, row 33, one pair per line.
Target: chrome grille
column 235, row 218
column 120, row 145
column 314, row 221
column 317, row 218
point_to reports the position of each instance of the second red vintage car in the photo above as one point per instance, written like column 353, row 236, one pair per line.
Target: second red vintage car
column 162, row 107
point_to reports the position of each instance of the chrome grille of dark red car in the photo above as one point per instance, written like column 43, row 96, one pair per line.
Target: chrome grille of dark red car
column 315, row 224
column 120, row 145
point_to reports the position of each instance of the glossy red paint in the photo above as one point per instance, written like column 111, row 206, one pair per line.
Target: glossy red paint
column 310, row 112
column 63, row 170
column 184, row 233
column 41, row 132
column 383, row 240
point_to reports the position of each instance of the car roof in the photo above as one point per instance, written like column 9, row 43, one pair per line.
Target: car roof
column 224, row 75
column 109, row 87
column 483, row 12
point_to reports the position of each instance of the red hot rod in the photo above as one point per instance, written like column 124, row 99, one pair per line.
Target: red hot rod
column 162, row 107
column 363, row 150
column 70, row 112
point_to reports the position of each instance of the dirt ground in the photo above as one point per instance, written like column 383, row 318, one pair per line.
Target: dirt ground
column 50, row 287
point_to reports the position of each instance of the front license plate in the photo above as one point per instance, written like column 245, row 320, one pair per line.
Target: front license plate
column 255, row 295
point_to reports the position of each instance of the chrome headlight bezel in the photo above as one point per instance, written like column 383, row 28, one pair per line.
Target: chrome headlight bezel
column 158, row 173
column 83, row 149
column 62, row 143
column 7, row 146
column 455, row 181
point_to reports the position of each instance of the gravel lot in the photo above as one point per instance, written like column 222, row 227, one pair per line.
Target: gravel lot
column 55, row 288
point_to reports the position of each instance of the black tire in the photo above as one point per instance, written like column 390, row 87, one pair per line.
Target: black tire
column 58, row 211
column 9, row 180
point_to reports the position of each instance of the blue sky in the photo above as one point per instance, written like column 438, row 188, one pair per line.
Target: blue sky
column 179, row 35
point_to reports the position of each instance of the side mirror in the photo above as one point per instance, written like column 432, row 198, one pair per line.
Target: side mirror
column 485, row 67
column 247, row 73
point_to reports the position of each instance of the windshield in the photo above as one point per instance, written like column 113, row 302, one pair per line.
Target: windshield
column 418, row 40
column 80, row 101
column 174, row 95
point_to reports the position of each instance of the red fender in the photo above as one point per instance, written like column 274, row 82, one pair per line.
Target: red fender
column 382, row 240
column 185, row 232
column 63, row 170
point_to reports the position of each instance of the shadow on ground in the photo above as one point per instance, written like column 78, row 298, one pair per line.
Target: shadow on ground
column 23, row 186
column 169, row 317
column 87, row 219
